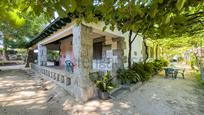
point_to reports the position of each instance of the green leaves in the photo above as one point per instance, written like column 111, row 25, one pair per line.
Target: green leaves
column 105, row 83
column 160, row 1
column 180, row 4
column 19, row 37
column 171, row 16
column 104, row 28
column 168, row 17
column 69, row 5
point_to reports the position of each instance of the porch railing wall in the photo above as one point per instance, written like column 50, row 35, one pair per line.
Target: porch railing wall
column 59, row 77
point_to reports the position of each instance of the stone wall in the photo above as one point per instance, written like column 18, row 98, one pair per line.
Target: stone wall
column 42, row 55
column 59, row 77
column 77, row 83
column 83, row 53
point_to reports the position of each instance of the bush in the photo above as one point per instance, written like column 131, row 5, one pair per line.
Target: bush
column 159, row 64
column 128, row 76
column 192, row 60
column 143, row 72
column 199, row 79
column 103, row 82
column 148, row 67
column 140, row 71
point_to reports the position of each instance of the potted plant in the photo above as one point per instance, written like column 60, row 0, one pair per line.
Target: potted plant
column 105, row 85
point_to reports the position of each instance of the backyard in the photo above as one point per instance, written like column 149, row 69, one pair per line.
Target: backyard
column 23, row 92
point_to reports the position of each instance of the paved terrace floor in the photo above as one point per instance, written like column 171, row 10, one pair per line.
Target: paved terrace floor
column 24, row 93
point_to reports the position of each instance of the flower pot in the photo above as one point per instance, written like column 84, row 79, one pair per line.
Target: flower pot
column 103, row 95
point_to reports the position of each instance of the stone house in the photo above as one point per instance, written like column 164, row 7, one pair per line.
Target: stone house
column 83, row 49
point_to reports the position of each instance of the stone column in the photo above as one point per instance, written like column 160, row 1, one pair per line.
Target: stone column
column 83, row 53
column 118, row 47
column 42, row 55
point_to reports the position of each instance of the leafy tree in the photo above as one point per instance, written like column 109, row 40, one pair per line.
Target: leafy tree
column 154, row 19
column 19, row 37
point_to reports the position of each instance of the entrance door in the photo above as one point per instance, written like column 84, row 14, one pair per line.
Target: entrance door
column 97, row 51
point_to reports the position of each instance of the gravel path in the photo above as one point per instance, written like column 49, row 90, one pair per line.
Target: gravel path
column 24, row 93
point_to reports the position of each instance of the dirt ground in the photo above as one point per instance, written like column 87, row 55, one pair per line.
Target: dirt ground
column 23, row 92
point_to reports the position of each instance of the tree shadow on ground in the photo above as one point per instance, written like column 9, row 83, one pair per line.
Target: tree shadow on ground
column 19, row 95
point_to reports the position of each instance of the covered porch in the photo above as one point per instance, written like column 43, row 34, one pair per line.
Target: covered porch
column 104, row 50
column 81, row 50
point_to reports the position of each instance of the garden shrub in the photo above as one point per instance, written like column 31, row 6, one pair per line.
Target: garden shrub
column 140, row 71
column 102, row 81
column 192, row 60
column 128, row 76
column 105, row 84
column 159, row 64
column 148, row 67
column 164, row 62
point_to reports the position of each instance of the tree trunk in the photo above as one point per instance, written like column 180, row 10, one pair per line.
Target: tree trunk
column 30, row 57
column 5, row 54
column 146, row 50
column 156, row 51
column 130, row 49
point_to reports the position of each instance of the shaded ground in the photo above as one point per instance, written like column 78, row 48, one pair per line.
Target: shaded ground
column 11, row 62
column 24, row 93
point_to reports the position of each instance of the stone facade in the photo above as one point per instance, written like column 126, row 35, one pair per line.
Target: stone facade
column 42, row 55
column 83, row 52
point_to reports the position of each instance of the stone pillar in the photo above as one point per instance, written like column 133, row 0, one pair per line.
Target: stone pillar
column 30, row 58
column 42, row 55
column 83, row 53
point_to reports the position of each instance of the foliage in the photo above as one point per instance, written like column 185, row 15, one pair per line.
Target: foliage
column 19, row 37
column 178, row 45
column 148, row 67
column 143, row 72
column 21, row 51
column 53, row 55
column 199, row 80
column 152, row 18
column 140, row 71
column 10, row 15
column 158, row 64
column 192, row 60
column 128, row 76
column 102, row 82
column 105, row 85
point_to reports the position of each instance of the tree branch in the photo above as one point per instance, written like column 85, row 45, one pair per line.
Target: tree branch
column 135, row 35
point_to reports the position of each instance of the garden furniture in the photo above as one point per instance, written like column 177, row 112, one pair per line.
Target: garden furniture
column 173, row 72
